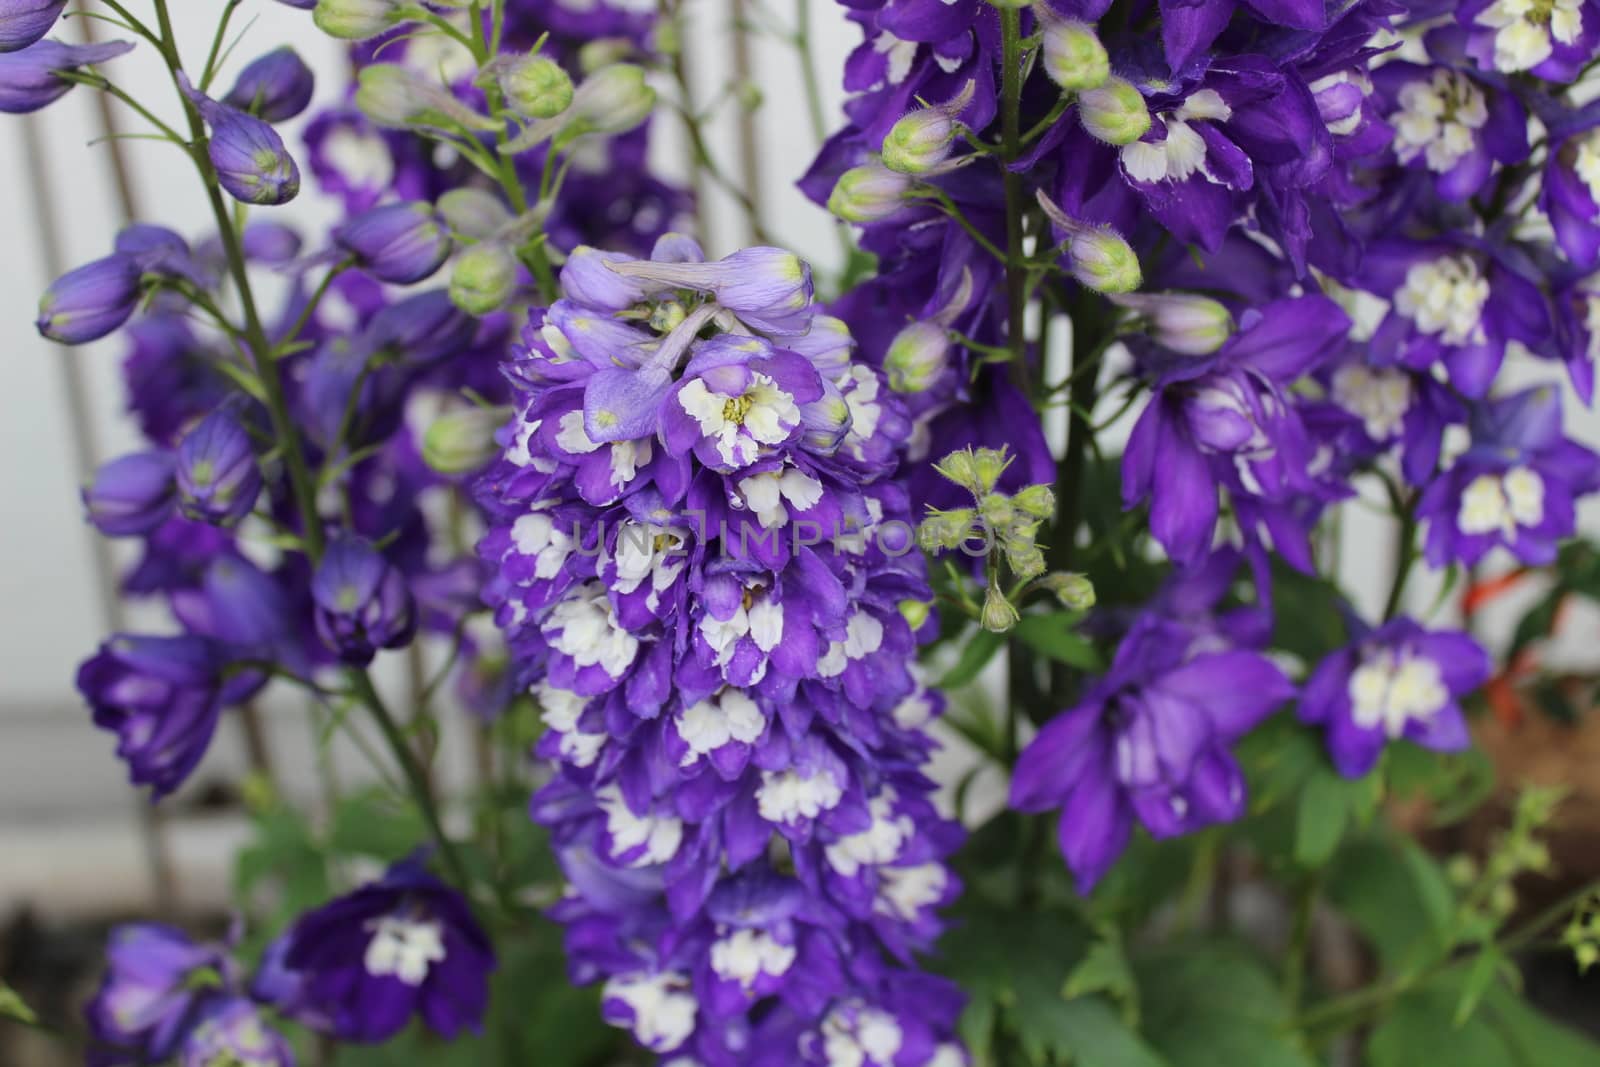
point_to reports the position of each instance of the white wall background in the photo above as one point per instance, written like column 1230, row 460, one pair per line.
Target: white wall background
column 68, row 821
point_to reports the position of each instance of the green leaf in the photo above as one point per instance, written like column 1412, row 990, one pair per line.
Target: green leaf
column 1088, row 1030
column 1479, row 978
column 1053, row 635
column 1419, row 1030
column 1320, row 819
column 977, row 653
column 1396, row 894
column 374, row 822
column 13, row 1007
column 1535, row 1039
column 1213, row 1004
column 1104, row 970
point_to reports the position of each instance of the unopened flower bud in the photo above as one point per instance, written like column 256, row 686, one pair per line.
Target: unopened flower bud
column 536, row 86
column 132, row 494
column 915, row 612
column 362, row 602
column 917, row 357
column 920, row 141
column 275, row 87
column 1102, row 260
column 399, row 243
column 472, row 212
column 218, row 477
column 356, row 20
column 1036, row 501
column 1074, row 58
column 397, row 97
column 1074, row 591
column 999, row 615
column 824, row 422
column 463, row 441
column 23, row 22
column 612, row 100
column 421, row 329
column 1115, row 112
column 1024, row 557
column 868, row 193
column 87, row 303
column 946, row 530
column 251, row 160
column 976, row 472
column 483, row 278
column 1186, row 323
column 989, row 464
column 603, row 52
column 769, row 289
column 32, row 78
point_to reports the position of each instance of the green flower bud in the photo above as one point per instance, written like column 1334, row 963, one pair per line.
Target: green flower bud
column 868, row 193
column 356, row 20
column 398, row 97
column 613, row 100
column 1115, row 112
column 1026, row 559
column 483, row 278
column 915, row 612
column 474, row 213
column 990, row 464
column 536, row 87
column 998, row 615
column 603, row 52
column 919, row 142
column 1187, row 323
column 1037, row 501
column 1101, row 259
column 946, row 530
column 463, row 440
column 1074, row 58
column 1074, row 591
column 916, row 357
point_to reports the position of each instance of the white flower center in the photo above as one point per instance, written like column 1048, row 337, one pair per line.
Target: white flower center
column 1528, row 30
column 535, row 536
column 745, row 955
column 1438, row 119
column 786, row 797
column 1379, row 397
column 663, row 1008
column 1445, row 296
column 656, row 836
column 404, row 948
column 854, row 1035
column 1586, row 163
column 878, row 844
column 768, row 493
column 739, row 425
column 905, row 891
column 585, row 628
column 1499, row 503
column 709, row 724
column 1390, row 690
column 863, row 635
column 1183, row 151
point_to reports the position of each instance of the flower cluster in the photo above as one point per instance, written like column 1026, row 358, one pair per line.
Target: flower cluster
column 360, row 968
column 1296, row 227
column 687, row 578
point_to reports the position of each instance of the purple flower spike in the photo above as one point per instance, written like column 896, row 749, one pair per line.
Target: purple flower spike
column 362, row 602
column 398, row 243
column 31, row 79
column 218, row 477
column 1150, row 742
column 90, row 302
column 145, row 1008
column 405, row 945
column 276, row 87
column 22, row 22
column 131, row 495
column 161, row 696
column 1397, row 682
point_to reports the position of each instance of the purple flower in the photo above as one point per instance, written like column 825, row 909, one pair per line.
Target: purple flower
column 404, row 945
column 1514, row 487
column 146, row 1006
column 251, row 160
column 398, row 243
column 1553, row 42
column 1570, row 193
column 169, row 376
column 768, row 288
column 1150, row 741
column 275, row 87
column 218, row 477
column 362, row 601
column 131, row 495
column 90, row 302
column 230, row 1029
column 161, row 696
column 1227, row 421
column 31, row 79
column 22, row 22
column 1451, row 125
column 1396, row 682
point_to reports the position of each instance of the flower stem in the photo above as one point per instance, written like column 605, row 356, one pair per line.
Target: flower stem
column 1011, row 147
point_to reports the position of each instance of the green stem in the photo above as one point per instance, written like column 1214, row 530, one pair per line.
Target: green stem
column 1405, row 550
column 210, row 70
column 1297, row 957
column 1011, row 147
